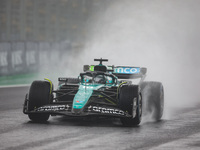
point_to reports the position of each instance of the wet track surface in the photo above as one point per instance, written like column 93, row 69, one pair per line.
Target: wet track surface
column 17, row 132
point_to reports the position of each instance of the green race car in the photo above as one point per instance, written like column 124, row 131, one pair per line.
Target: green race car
column 100, row 91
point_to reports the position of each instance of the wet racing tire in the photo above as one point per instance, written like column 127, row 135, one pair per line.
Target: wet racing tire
column 127, row 95
column 39, row 95
column 153, row 97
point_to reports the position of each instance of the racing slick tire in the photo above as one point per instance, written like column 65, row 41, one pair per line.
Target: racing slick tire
column 153, row 97
column 39, row 95
column 127, row 94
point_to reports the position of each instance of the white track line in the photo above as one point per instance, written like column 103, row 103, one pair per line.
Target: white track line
column 13, row 86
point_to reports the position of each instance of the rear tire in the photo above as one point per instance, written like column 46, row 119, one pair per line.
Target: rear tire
column 153, row 94
column 39, row 95
column 127, row 94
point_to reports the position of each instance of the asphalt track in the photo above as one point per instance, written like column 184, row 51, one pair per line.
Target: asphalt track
column 18, row 133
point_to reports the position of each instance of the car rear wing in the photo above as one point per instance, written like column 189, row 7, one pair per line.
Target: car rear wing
column 122, row 72
column 126, row 72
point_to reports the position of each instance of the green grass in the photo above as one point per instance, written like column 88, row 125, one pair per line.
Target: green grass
column 28, row 78
column 18, row 79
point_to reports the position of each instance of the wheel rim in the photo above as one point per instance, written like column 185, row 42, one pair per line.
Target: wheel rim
column 140, row 106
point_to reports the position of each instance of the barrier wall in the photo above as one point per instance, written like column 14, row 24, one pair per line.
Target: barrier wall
column 27, row 57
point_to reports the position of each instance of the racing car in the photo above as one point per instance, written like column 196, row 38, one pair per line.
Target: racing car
column 101, row 90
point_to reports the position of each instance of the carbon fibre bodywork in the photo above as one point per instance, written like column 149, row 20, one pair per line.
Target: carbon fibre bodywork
column 95, row 92
column 102, row 99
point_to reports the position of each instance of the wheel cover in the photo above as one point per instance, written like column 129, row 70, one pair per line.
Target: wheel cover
column 162, row 99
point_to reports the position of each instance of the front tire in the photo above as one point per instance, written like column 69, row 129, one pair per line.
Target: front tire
column 39, row 95
column 127, row 95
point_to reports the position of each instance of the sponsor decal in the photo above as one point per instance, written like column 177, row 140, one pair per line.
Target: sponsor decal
column 127, row 70
column 30, row 58
column 91, row 68
column 3, row 59
column 104, row 110
column 80, row 101
column 62, row 79
column 17, row 58
column 54, row 108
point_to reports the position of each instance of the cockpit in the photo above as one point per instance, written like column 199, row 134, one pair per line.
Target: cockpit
column 100, row 78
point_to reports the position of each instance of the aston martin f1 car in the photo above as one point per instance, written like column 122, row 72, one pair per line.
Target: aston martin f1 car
column 101, row 90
